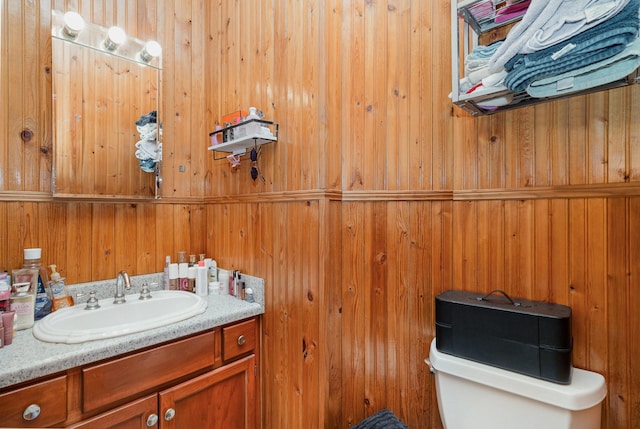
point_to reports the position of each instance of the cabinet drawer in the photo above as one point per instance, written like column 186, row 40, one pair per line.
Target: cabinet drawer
column 238, row 339
column 49, row 398
column 126, row 377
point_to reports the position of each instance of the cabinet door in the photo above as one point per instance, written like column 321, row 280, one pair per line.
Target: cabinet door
column 221, row 399
column 139, row 414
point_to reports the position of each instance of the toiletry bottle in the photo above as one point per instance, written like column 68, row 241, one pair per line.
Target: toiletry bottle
column 173, row 277
column 182, row 256
column 43, row 299
column 223, row 279
column 213, row 270
column 59, row 294
column 191, row 277
column 192, row 260
column 252, row 127
column 202, row 279
column 165, row 279
column 5, row 292
column 183, row 276
column 22, row 303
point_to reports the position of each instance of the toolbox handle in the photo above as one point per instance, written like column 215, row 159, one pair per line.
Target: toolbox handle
column 484, row 298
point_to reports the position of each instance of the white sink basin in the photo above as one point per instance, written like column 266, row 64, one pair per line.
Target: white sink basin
column 77, row 325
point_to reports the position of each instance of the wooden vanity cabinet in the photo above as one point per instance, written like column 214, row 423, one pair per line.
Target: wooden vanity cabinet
column 182, row 384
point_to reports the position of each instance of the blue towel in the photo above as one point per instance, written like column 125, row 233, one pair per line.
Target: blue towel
column 596, row 44
column 601, row 73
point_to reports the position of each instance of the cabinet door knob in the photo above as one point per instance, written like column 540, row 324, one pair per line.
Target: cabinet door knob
column 169, row 414
column 152, row 420
column 241, row 340
column 31, row 412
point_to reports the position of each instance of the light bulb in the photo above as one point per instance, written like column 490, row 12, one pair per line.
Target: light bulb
column 151, row 50
column 73, row 24
column 115, row 37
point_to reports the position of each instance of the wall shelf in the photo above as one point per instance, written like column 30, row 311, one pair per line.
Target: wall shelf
column 236, row 139
column 468, row 23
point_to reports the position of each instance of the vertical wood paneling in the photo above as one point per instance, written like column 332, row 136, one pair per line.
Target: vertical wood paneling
column 634, row 317
column 353, row 96
column 617, row 322
column 436, row 67
column 398, row 115
column 375, row 46
column 360, row 91
column 353, row 307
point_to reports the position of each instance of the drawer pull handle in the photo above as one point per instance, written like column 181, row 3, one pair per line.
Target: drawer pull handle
column 152, row 420
column 241, row 340
column 31, row 412
column 169, row 414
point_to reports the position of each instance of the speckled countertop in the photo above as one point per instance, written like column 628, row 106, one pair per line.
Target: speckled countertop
column 28, row 358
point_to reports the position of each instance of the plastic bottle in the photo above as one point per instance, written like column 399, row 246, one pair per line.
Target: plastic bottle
column 43, row 303
column 191, row 278
column 183, row 276
column 201, row 279
column 23, row 303
column 252, row 127
column 173, row 277
column 165, row 279
column 212, row 267
column 59, row 294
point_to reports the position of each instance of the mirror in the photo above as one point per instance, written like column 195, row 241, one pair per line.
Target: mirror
column 105, row 113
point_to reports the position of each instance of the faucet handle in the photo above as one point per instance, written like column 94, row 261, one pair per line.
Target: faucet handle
column 145, row 292
column 92, row 302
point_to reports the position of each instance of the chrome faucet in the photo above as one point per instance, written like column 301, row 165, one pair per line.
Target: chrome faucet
column 122, row 283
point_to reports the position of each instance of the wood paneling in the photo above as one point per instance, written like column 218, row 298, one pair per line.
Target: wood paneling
column 378, row 196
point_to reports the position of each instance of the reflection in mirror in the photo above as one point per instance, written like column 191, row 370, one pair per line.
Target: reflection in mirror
column 105, row 98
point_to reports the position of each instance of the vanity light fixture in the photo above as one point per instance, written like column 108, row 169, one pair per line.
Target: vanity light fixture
column 151, row 50
column 73, row 24
column 115, row 37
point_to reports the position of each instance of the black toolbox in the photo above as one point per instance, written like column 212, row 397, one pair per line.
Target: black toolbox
column 528, row 337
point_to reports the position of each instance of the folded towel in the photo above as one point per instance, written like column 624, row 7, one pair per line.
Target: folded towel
column 547, row 23
column 597, row 44
column 573, row 19
column 512, row 11
column 600, row 73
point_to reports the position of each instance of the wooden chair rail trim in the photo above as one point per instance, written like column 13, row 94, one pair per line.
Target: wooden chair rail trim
column 606, row 190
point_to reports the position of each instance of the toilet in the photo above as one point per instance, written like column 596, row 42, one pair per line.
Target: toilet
column 472, row 395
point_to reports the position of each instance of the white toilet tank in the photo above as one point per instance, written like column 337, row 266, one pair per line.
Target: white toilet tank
column 476, row 396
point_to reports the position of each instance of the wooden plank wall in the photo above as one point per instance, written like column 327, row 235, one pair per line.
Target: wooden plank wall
column 378, row 195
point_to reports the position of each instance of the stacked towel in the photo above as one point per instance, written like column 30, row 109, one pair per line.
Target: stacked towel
column 149, row 149
column 600, row 73
column 603, row 41
column 549, row 22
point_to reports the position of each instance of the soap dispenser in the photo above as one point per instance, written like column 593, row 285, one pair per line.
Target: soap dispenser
column 61, row 297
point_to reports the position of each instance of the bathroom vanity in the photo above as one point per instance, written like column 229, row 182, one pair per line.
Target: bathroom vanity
column 201, row 372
